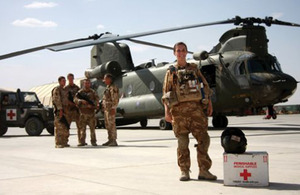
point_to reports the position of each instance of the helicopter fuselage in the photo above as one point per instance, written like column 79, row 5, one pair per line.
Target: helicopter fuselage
column 240, row 81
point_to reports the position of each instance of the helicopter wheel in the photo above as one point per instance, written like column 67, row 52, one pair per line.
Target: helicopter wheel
column 220, row 121
column 164, row 125
column 144, row 123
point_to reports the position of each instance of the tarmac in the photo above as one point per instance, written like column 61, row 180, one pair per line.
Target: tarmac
column 144, row 162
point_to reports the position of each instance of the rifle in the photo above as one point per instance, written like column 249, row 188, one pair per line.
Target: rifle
column 70, row 97
column 87, row 99
column 64, row 121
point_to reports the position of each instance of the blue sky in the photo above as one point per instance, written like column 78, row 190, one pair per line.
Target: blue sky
column 26, row 24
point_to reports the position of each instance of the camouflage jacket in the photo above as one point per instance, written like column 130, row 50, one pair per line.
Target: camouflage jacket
column 170, row 85
column 88, row 95
column 59, row 98
column 110, row 97
column 72, row 90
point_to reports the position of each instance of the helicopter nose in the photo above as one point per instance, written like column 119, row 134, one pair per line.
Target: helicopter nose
column 272, row 88
column 287, row 85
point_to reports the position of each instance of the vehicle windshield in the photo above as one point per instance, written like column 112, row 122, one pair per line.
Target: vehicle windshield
column 29, row 97
column 256, row 65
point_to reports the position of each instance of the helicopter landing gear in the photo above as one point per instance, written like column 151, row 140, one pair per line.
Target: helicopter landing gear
column 220, row 121
column 144, row 123
column 164, row 125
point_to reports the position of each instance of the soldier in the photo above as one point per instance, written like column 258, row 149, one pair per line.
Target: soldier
column 61, row 122
column 5, row 101
column 72, row 110
column 110, row 103
column 186, row 96
column 88, row 101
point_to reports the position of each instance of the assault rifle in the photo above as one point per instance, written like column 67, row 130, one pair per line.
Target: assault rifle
column 86, row 98
column 64, row 121
column 83, row 96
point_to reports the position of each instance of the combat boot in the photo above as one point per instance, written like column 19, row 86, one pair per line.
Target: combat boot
column 185, row 176
column 206, row 175
column 59, row 146
column 113, row 143
column 81, row 144
column 106, row 143
column 94, row 144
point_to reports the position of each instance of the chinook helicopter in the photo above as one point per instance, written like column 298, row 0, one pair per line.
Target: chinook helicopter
column 239, row 70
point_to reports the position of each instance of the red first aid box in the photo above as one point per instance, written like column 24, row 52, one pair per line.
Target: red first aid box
column 247, row 169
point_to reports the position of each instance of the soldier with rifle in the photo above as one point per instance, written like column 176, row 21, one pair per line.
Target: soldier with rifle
column 73, row 112
column 61, row 122
column 87, row 101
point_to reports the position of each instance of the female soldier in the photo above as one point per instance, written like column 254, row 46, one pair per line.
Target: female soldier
column 186, row 95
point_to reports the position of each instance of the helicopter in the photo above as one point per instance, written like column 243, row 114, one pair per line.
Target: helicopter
column 240, row 71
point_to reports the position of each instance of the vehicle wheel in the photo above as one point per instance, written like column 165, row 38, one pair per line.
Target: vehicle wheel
column 144, row 123
column 100, row 124
column 220, row 121
column 50, row 129
column 3, row 130
column 34, row 126
column 164, row 125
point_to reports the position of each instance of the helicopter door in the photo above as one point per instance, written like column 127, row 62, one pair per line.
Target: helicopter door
column 241, row 76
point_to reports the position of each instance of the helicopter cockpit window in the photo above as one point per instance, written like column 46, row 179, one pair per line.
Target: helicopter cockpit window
column 256, row 66
column 242, row 69
column 275, row 66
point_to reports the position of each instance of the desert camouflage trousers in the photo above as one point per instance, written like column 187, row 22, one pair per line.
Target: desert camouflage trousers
column 110, row 125
column 84, row 120
column 189, row 117
column 61, row 132
column 73, row 115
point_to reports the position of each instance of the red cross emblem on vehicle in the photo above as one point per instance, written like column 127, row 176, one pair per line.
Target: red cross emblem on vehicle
column 11, row 114
column 245, row 174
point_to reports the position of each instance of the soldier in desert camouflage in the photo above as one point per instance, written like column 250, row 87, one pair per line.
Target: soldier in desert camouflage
column 60, row 103
column 186, row 96
column 72, row 110
column 110, row 103
column 88, row 102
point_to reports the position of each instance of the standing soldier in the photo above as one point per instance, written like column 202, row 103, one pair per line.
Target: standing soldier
column 186, row 97
column 88, row 102
column 72, row 110
column 60, row 102
column 110, row 103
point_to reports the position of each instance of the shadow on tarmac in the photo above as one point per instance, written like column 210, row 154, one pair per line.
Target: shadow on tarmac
column 263, row 128
column 17, row 136
column 272, row 185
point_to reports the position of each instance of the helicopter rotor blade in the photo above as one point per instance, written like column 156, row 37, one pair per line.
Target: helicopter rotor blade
column 25, row 51
column 279, row 22
column 153, row 44
column 98, row 39
column 126, row 37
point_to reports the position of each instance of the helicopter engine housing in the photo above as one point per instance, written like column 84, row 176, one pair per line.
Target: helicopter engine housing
column 111, row 67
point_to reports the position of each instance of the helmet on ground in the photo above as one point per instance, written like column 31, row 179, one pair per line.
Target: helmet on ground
column 233, row 140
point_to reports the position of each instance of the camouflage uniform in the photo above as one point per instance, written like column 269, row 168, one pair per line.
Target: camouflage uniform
column 110, row 101
column 87, row 114
column 60, row 101
column 72, row 110
column 188, row 116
